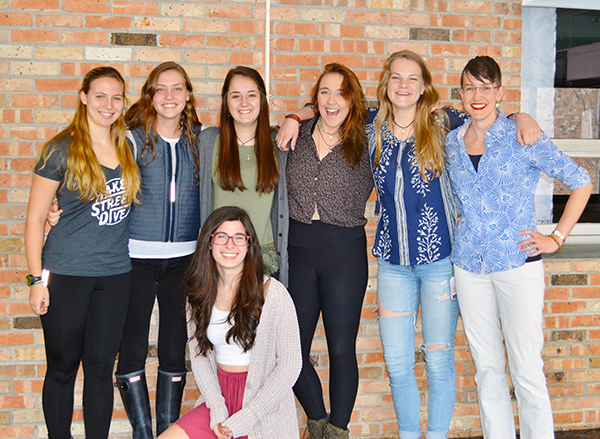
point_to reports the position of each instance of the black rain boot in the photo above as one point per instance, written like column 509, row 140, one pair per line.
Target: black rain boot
column 169, row 392
column 134, row 393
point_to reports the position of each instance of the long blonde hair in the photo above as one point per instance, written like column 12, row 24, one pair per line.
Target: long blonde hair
column 84, row 172
column 429, row 132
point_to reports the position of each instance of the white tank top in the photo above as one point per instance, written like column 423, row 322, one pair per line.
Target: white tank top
column 228, row 354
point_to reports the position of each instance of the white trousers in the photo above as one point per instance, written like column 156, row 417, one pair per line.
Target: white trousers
column 507, row 305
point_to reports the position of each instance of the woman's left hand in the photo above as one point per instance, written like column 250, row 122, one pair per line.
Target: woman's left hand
column 543, row 243
column 528, row 130
column 222, row 432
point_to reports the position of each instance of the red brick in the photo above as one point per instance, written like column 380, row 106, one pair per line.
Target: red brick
column 299, row 59
column 586, row 292
column 135, row 8
column 492, row 51
column 16, row 339
column 349, row 31
column 57, row 84
column 501, row 37
column 304, row 29
column 472, row 35
column 59, row 20
column 409, row 18
column 86, row 38
column 201, row 26
column 229, row 12
column 473, row 7
column 567, row 307
column 88, row 6
column 107, row 22
column 33, row 101
column 366, row 17
column 507, row 8
column 489, row 22
column 512, row 24
column 172, row 40
column 247, row 27
column 221, row 42
column 567, row 418
column 353, row 46
column 14, row 19
column 36, row 5
column 20, row 431
column 450, row 49
column 351, row 61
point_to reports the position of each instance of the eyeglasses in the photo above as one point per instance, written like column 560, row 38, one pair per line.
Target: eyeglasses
column 222, row 238
column 484, row 89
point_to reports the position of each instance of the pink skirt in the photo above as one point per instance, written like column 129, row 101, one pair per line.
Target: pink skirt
column 196, row 422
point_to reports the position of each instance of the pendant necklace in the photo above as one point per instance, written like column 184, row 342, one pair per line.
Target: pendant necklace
column 244, row 144
column 329, row 134
column 401, row 127
column 330, row 138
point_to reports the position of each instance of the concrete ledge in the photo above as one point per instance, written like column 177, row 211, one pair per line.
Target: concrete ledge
column 575, row 251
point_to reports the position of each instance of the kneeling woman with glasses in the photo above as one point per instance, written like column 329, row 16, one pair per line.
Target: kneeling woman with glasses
column 244, row 340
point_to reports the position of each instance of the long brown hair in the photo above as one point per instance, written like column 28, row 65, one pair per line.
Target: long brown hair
column 352, row 131
column 143, row 113
column 429, row 132
column 203, row 278
column 84, row 172
column 228, row 166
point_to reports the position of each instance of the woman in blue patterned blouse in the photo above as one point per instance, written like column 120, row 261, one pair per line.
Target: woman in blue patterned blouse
column 496, row 253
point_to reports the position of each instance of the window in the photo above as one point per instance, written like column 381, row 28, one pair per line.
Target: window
column 561, row 89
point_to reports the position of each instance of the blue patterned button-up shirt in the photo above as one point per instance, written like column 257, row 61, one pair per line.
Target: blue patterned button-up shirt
column 496, row 202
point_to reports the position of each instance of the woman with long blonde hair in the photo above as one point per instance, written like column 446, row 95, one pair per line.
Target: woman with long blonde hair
column 413, row 240
column 80, row 277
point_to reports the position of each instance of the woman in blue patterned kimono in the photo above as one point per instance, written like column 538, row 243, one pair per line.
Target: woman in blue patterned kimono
column 497, row 252
column 413, row 240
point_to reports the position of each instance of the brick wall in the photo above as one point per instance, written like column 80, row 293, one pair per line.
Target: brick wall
column 46, row 46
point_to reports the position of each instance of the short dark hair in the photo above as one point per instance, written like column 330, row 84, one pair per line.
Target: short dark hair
column 482, row 68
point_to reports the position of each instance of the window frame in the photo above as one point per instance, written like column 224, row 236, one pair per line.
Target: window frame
column 582, row 233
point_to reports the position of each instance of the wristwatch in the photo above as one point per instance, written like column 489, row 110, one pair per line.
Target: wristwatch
column 32, row 280
column 558, row 234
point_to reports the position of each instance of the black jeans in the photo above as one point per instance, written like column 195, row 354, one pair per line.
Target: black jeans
column 163, row 279
column 84, row 323
column 331, row 279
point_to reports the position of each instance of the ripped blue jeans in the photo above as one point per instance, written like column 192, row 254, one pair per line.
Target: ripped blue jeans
column 400, row 292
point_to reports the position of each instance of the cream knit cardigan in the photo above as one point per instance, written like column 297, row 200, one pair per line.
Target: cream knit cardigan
column 269, row 409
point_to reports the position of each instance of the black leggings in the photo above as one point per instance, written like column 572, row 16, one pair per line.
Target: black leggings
column 84, row 323
column 331, row 279
column 163, row 279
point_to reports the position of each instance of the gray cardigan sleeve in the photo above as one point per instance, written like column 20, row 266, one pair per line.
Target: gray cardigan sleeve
column 206, row 145
column 204, row 369
column 282, row 325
